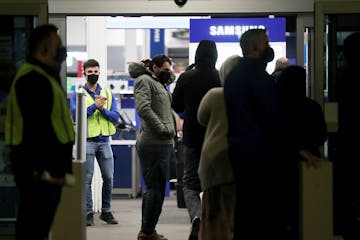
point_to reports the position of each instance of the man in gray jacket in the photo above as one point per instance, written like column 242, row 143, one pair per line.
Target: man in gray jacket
column 155, row 140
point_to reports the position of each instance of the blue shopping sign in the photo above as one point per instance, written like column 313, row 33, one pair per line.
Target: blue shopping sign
column 231, row 29
column 157, row 42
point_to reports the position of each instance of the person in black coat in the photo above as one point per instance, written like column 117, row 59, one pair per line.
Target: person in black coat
column 258, row 140
column 40, row 151
column 190, row 88
column 347, row 164
column 307, row 131
column 306, row 119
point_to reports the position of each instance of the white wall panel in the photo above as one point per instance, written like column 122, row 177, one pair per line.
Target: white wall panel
column 115, row 37
column 76, row 31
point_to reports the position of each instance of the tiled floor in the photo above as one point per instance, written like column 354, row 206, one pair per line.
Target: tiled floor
column 173, row 223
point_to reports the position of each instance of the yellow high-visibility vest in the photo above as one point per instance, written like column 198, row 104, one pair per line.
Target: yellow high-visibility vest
column 60, row 115
column 97, row 124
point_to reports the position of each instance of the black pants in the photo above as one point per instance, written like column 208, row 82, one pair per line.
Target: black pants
column 37, row 207
column 347, row 194
column 267, row 201
column 154, row 161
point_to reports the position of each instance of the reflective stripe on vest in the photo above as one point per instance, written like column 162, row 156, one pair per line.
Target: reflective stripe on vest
column 97, row 123
column 60, row 114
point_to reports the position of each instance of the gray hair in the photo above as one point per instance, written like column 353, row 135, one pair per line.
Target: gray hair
column 227, row 66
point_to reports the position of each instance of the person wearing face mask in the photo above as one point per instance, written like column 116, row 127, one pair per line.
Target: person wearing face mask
column 38, row 119
column 259, row 145
column 154, row 143
column 190, row 88
column 102, row 114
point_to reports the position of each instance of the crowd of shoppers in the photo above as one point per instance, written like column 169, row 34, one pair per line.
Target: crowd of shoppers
column 242, row 142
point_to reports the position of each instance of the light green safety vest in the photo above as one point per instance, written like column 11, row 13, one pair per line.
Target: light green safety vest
column 60, row 114
column 97, row 124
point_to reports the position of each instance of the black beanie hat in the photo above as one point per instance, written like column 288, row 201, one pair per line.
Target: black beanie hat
column 206, row 50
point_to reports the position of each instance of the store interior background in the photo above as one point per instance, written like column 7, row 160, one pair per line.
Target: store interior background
column 117, row 40
column 333, row 21
column 127, row 39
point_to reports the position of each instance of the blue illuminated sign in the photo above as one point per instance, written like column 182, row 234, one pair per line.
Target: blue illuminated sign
column 156, row 42
column 230, row 29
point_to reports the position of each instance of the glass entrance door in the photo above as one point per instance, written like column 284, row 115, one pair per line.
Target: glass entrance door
column 335, row 20
column 18, row 21
column 13, row 38
column 336, row 87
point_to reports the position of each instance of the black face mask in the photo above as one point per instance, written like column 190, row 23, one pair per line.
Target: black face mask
column 92, row 78
column 268, row 54
column 164, row 77
column 61, row 55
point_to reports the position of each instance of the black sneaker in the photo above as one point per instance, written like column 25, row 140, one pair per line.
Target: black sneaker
column 108, row 218
column 90, row 219
column 195, row 227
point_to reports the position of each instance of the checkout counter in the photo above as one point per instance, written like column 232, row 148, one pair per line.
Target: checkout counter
column 126, row 161
column 126, row 168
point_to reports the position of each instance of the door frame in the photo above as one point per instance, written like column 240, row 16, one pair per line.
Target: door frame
column 32, row 8
column 304, row 21
column 321, row 9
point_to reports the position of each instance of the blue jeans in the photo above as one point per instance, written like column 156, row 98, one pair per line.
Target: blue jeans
column 104, row 156
column 154, row 161
column 191, row 181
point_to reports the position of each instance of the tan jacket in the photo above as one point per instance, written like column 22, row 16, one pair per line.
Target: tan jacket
column 214, row 167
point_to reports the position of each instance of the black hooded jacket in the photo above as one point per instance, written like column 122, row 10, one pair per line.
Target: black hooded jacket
column 190, row 88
